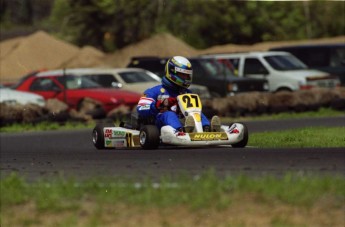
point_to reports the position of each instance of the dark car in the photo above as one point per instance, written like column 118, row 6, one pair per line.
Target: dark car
column 73, row 89
column 325, row 57
column 208, row 72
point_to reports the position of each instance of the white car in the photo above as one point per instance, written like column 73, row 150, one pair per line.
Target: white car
column 10, row 96
column 282, row 70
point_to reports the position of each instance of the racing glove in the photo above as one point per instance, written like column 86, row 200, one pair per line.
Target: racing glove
column 167, row 104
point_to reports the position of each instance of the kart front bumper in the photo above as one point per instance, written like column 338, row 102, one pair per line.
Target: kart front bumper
column 119, row 137
column 228, row 136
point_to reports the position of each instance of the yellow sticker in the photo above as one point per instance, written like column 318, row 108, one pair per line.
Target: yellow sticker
column 206, row 136
column 197, row 117
column 162, row 90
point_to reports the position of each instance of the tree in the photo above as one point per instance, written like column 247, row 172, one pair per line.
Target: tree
column 113, row 24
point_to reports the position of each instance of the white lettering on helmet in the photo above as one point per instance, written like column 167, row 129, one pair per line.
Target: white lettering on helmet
column 186, row 71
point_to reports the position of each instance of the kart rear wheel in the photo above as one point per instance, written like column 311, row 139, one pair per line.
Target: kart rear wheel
column 149, row 137
column 98, row 135
column 244, row 141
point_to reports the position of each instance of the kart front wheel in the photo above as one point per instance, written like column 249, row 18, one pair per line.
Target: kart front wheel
column 244, row 141
column 98, row 134
column 149, row 137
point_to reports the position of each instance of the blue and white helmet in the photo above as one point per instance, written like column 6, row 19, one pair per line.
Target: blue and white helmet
column 178, row 73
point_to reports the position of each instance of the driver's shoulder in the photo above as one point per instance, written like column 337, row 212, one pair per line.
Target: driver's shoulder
column 154, row 91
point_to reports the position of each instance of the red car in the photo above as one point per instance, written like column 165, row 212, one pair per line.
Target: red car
column 72, row 89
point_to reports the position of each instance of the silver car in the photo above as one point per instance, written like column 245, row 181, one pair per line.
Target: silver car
column 131, row 79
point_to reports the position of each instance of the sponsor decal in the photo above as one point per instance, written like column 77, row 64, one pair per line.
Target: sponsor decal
column 145, row 101
column 186, row 71
column 117, row 134
column 115, row 143
column 233, row 129
column 120, row 143
column 108, row 143
column 146, row 107
column 108, row 133
column 205, row 136
column 162, row 90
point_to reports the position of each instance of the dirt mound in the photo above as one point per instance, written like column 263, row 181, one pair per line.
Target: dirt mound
column 88, row 56
column 8, row 46
column 230, row 48
column 159, row 45
column 36, row 51
column 42, row 51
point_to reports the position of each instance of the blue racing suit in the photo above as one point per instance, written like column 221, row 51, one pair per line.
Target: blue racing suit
column 150, row 106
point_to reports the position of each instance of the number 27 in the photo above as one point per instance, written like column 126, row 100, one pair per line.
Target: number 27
column 187, row 99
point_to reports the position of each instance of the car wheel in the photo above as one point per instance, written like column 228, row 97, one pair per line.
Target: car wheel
column 244, row 141
column 283, row 89
column 149, row 137
column 98, row 135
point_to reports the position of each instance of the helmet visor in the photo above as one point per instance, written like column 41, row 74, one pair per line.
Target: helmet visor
column 184, row 74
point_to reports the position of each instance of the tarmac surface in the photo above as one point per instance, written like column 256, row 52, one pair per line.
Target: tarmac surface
column 37, row 155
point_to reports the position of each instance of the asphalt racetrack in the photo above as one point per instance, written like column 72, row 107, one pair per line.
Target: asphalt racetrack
column 37, row 155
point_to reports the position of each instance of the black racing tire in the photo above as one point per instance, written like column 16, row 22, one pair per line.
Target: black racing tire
column 98, row 135
column 244, row 141
column 149, row 137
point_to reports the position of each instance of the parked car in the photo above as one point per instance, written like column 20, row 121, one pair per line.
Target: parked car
column 219, row 80
column 132, row 79
column 73, row 89
column 136, row 80
column 13, row 97
column 283, row 70
column 325, row 57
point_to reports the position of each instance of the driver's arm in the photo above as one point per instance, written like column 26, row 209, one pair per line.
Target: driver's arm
column 147, row 105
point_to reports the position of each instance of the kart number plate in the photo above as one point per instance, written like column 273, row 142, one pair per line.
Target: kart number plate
column 189, row 101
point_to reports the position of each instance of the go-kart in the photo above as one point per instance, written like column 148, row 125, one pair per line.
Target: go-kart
column 144, row 133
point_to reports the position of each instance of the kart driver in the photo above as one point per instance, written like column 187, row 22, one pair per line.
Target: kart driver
column 160, row 101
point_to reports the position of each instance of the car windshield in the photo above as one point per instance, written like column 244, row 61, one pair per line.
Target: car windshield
column 216, row 68
column 138, row 77
column 77, row 82
column 285, row 62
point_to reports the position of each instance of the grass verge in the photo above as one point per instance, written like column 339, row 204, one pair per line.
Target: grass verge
column 267, row 201
column 322, row 112
column 44, row 126
column 300, row 138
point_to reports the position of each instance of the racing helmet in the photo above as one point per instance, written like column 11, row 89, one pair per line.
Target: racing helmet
column 178, row 73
